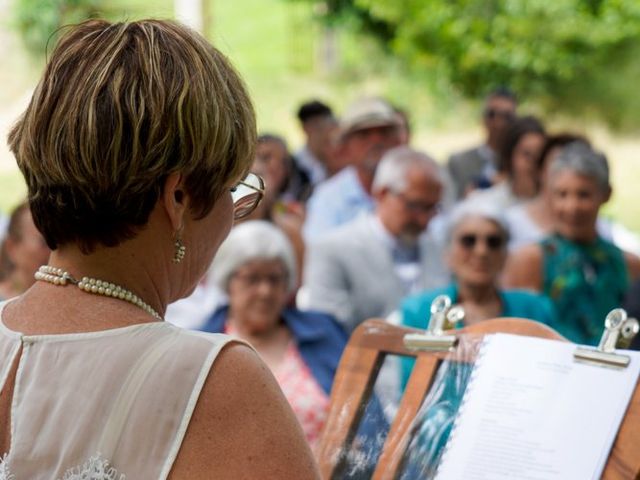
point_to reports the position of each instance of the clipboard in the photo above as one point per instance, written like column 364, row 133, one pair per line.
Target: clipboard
column 374, row 339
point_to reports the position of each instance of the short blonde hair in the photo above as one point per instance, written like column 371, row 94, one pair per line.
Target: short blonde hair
column 120, row 107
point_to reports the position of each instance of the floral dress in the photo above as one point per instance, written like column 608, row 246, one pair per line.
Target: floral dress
column 585, row 282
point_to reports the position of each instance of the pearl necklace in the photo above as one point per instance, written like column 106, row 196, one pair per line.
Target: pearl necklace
column 57, row 276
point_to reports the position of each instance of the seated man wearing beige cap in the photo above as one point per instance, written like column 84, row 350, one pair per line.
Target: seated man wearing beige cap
column 368, row 129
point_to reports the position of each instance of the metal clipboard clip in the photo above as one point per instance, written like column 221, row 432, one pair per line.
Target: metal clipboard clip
column 444, row 316
column 619, row 330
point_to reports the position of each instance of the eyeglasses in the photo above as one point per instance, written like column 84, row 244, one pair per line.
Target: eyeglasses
column 246, row 195
column 493, row 242
column 417, row 206
column 253, row 280
column 492, row 113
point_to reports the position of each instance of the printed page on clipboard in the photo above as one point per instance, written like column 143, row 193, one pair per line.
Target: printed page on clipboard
column 532, row 412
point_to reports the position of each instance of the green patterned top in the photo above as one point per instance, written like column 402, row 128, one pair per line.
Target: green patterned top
column 585, row 282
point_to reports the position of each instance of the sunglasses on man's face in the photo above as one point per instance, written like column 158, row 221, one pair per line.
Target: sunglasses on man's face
column 492, row 113
column 493, row 242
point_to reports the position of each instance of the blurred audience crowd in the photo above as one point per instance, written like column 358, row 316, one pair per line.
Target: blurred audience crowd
column 358, row 223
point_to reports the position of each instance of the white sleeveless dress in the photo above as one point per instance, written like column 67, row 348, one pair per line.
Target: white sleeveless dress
column 113, row 404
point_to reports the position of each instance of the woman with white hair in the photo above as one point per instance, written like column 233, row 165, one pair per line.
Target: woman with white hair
column 256, row 267
column 583, row 274
column 477, row 251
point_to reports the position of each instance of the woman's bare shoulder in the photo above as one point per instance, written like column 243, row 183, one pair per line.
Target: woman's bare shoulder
column 633, row 265
column 524, row 268
column 242, row 426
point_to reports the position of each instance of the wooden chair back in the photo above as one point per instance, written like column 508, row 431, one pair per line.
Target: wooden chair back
column 357, row 373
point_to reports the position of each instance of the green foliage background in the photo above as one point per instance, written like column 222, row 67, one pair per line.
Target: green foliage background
column 39, row 20
column 275, row 44
column 578, row 57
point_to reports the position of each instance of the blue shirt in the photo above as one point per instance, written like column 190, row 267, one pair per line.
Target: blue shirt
column 416, row 311
column 319, row 338
column 335, row 202
column 435, row 421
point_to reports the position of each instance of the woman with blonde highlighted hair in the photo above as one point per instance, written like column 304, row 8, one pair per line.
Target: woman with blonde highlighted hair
column 134, row 148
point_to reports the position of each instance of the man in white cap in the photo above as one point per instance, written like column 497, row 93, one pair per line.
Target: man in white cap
column 368, row 129
column 364, row 268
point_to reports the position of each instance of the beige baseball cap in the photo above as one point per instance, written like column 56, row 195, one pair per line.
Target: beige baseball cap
column 367, row 113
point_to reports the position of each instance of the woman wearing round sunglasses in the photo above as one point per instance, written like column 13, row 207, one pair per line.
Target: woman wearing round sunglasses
column 477, row 251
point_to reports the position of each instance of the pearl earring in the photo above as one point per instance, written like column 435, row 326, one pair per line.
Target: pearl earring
column 180, row 250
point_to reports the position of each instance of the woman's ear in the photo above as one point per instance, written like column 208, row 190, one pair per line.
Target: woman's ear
column 175, row 200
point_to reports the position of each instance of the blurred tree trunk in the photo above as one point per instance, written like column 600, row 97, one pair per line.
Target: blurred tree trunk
column 328, row 51
column 194, row 13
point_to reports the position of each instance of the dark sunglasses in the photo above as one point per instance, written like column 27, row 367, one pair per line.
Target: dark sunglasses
column 493, row 242
column 492, row 113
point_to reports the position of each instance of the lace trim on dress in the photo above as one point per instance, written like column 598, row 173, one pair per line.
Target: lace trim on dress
column 96, row 468
column 5, row 474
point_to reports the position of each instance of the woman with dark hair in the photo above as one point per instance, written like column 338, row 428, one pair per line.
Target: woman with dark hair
column 532, row 221
column 135, row 149
column 287, row 188
column 518, row 168
column 583, row 274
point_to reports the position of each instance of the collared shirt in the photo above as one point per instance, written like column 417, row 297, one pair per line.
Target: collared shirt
column 309, row 162
column 406, row 258
column 490, row 169
column 335, row 202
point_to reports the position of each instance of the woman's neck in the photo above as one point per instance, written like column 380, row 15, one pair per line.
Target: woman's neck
column 524, row 189
column 121, row 266
column 540, row 212
column 479, row 303
column 265, row 337
column 271, row 344
column 584, row 238
column 480, row 295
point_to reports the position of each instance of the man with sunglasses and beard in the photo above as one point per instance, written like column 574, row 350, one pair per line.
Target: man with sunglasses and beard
column 363, row 269
column 476, row 168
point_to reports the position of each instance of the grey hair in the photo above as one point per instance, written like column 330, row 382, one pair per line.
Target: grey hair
column 253, row 240
column 392, row 170
column 580, row 158
column 476, row 209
